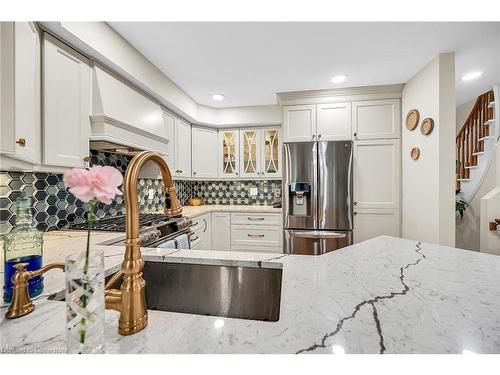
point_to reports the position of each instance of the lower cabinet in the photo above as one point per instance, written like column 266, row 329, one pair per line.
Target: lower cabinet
column 221, row 231
column 262, row 232
column 370, row 223
column 202, row 232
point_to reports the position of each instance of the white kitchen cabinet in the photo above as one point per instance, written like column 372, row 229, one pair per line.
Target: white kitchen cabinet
column 370, row 223
column 201, row 239
column 182, row 157
column 20, row 91
column 66, row 93
column 256, row 236
column 170, row 120
column 221, row 231
column 250, row 153
column 228, row 153
column 333, row 122
column 271, row 154
column 377, row 173
column 265, row 218
column 299, row 123
column 376, row 119
column 204, row 158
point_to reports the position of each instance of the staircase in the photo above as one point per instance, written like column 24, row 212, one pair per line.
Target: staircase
column 476, row 143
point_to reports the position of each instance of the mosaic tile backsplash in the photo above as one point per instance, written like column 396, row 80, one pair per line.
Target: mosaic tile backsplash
column 55, row 208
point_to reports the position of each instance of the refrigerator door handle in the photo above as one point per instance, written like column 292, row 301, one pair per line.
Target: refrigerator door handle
column 316, row 234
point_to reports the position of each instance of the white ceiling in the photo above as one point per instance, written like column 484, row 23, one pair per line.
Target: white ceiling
column 250, row 62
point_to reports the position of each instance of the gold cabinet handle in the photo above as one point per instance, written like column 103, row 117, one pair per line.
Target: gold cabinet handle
column 255, row 235
column 86, row 159
column 21, row 142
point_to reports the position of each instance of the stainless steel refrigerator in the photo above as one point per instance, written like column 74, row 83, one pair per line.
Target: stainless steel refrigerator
column 317, row 197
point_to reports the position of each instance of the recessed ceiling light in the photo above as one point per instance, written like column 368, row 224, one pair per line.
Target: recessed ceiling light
column 218, row 97
column 339, row 78
column 472, row 75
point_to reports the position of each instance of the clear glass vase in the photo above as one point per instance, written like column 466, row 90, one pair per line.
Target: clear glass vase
column 85, row 303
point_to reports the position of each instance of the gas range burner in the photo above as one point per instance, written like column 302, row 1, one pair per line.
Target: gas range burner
column 117, row 224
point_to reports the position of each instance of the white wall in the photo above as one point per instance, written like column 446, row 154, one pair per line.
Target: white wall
column 428, row 184
column 100, row 41
column 463, row 111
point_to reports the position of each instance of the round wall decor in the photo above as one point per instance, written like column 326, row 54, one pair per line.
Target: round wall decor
column 427, row 126
column 415, row 153
column 412, row 119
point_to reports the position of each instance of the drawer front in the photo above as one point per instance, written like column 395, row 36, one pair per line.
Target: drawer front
column 256, row 218
column 256, row 235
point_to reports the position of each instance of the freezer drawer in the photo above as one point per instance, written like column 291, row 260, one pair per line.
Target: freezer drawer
column 314, row 242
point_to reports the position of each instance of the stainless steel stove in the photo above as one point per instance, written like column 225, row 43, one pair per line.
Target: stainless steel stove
column 154, row 228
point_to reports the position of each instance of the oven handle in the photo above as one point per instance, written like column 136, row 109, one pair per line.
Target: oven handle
column 171, row 237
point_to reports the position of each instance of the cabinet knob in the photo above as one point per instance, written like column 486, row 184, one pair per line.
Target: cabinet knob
column 319, row 135
column 21, row 142
column 355, row 134
column 86, row 159
column 355, row 203
column 355, row 213
column 194, row 173
column 313, row 136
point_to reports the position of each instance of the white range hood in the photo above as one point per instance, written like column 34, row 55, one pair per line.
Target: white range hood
column 123, row 120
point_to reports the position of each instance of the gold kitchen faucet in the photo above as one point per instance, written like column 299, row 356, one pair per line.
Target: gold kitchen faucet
column 130, row 299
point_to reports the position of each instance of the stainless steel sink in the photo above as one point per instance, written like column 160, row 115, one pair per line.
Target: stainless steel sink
column 216, row 290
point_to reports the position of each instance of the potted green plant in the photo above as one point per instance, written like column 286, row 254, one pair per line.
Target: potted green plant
column 460, row 206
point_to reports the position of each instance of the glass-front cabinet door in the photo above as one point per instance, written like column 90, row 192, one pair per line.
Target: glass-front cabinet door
column 250, row 153
column 229, row 153
column 271, row 152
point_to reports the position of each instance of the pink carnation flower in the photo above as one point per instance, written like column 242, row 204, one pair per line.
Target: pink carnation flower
column 97, row 182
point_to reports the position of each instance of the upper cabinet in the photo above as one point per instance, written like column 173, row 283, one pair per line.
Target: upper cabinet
column 66, row 93
column 324, row 122
column 182, row 157
column 271, row 152
column 249, row 153
column 228, row 151
column 170, row 122
column 333, row 122
column 204, row 143
column 299, row 123
column 376, row 119
column 20, row 91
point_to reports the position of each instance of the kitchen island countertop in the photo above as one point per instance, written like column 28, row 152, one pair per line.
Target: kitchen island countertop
column 385, row 295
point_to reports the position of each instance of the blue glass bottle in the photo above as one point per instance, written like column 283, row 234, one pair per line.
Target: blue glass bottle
column 23, row 245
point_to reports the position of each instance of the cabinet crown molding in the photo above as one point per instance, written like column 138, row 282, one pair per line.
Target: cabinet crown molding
column 340, row 95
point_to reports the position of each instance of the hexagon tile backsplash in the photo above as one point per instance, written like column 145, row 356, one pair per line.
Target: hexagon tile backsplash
column 55, row 208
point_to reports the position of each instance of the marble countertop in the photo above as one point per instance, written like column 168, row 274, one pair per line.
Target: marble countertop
column 193, row 211
column 385, row 295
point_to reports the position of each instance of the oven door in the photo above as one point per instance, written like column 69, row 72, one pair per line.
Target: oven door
column 314, row 242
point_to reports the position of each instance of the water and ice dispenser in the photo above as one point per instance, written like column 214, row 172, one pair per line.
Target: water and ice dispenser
column 299, row 196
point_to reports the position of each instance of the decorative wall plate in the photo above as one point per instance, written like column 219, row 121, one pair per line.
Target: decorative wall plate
column 412, row 119
column 415, row 153
column 427, row 126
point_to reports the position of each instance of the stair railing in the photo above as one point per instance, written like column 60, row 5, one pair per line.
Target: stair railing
column 470, row 139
